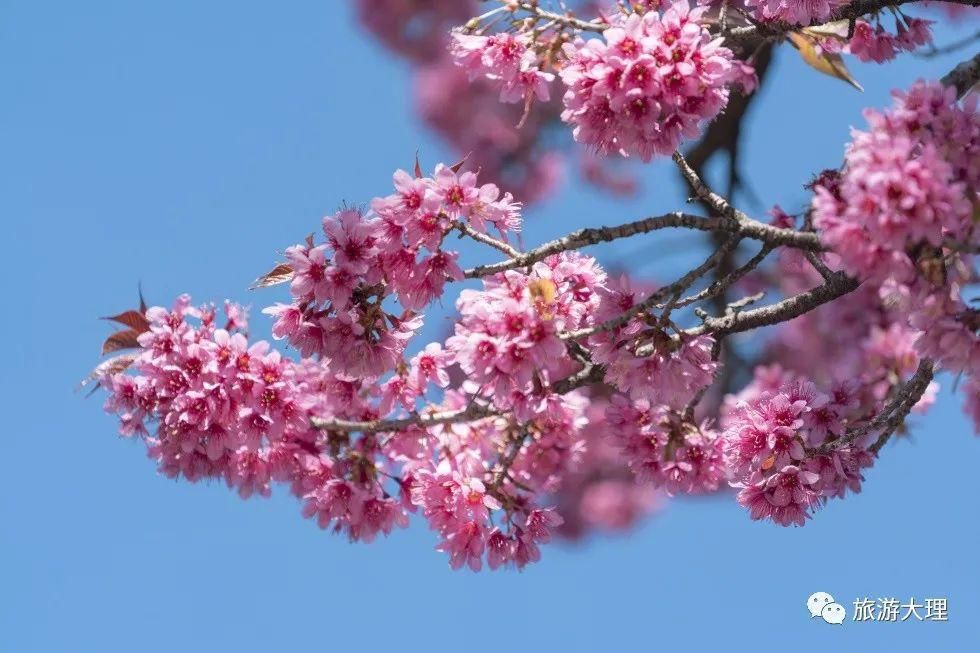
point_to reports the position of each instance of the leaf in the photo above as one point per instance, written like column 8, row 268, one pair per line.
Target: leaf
column 826, row 62
column 121, row 340
column 309, row 240
column 133, row 319
column 277, row 275
column 114, row 365
column 418, row 166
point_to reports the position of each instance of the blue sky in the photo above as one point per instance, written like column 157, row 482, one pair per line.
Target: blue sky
column 182, row 144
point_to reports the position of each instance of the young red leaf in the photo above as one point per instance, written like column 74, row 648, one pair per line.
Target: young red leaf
column 133, row 319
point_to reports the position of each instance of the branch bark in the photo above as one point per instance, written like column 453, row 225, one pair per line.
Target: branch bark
column 837, row 286
column 892, row 416
column 740, row 225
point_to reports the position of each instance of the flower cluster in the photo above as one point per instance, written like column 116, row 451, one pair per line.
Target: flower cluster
column 339, row 288
column 599, row 492
column 506, row 59
column 642, row 359
column 648, row 83
column 224, row 409
column 901, row 215
column 768, row 440
column 879, row 45
column 468, row 115
column 663, row 449
column 459, row 507
column 507, row 339
column 904, row 183
column 481, row 489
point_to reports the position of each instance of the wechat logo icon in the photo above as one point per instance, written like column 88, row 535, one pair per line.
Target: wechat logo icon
column 821, row 604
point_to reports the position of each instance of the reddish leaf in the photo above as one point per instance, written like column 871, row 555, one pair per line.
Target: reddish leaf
column 309, row 240
column 120, row 340
column 418, row 166
column 279, row 274
column 133, row 319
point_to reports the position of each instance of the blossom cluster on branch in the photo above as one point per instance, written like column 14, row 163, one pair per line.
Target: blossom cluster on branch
column 566, row 398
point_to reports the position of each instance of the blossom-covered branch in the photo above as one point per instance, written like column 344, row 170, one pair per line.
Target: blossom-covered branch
column 892, row 416
column 563, row 398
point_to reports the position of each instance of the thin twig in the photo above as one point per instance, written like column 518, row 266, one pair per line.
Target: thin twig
column 486, row 239
column 566, row 20
column 721, row 285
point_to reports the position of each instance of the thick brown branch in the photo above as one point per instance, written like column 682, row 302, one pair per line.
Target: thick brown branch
column 740, row 226
column 787, row 309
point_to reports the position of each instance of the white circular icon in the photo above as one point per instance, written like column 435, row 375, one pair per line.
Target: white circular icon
column 833, row 613
column 817, row 602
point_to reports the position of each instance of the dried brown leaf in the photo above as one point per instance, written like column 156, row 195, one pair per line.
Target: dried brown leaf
column 277, row 275
column 827, row 63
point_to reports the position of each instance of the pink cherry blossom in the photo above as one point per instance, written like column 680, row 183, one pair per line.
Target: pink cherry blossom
column 647, row 84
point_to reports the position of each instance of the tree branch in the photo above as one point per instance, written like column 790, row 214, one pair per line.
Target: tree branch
column 675, row 288
column 892, row 416
column 837, row 286
column 747, row 35
column 739, row 226
column 589, row 374
column 566, row 19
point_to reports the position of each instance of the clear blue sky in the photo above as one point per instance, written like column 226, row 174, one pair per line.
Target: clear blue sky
column 182, row 143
